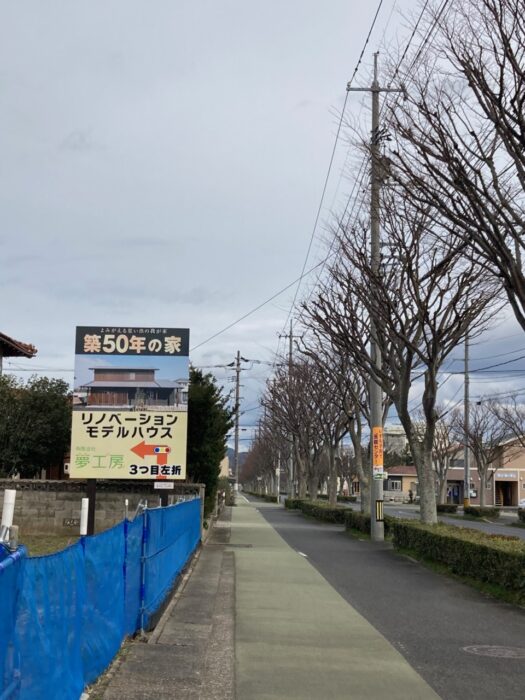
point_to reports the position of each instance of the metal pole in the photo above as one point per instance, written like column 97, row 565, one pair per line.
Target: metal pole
column 84, row 510
column 377, row 531
column 8, row 512
column 466, row 421
column 237, row 402
column 376, row 398
column 292, row 451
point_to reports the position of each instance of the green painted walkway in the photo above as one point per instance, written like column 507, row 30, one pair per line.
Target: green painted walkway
column 295, row 636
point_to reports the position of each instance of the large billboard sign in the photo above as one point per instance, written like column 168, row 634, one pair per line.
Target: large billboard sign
column 130, row 403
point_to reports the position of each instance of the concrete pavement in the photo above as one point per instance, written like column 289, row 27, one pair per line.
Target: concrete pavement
column 466, row 645
column 254, row 600
column 296, row 637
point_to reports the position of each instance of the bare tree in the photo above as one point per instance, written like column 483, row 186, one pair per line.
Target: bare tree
column 350, row 397
column 446, row 437
column 298, row 400
column 339, row 392
column 484, row 437
column 511, row 413
column 459, row 136
column 422, row 304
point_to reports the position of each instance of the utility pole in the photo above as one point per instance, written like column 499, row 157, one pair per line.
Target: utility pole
column 377, row 530
column 237, row 416
column 466, row 421
column 291, row 463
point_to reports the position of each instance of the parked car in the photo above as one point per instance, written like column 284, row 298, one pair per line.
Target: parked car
column 521, row 504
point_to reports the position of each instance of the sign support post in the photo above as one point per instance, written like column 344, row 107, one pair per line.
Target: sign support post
column 91, row 493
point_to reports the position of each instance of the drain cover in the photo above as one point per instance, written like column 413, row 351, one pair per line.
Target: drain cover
column 496, row 652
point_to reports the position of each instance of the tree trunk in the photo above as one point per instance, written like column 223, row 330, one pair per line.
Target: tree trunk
column 482, row 489
column 300, row 474
column 313, row 484
column 427, row 485
column 443, row 489
column 332, row 477
column 365, row 495
column 364, row 477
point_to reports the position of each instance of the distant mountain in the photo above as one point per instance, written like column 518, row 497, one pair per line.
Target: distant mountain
column 231, row 457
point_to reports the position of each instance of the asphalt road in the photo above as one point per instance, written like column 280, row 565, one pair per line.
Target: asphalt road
column 500, row 528
column 464, row 644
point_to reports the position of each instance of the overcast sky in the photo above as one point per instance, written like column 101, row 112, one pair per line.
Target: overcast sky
column 162, row 164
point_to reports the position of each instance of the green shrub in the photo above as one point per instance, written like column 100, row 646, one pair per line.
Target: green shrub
column 293, row 503
column 340, row 499
column 268, row 497
column 498, row 560
column 521, row 514
column 478, row 512
column 321, row 511
column 447, row 508
column 355, row 520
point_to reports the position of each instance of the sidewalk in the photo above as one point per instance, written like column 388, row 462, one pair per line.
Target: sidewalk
column 190, row 654
column 295, row 636
column 256, row 601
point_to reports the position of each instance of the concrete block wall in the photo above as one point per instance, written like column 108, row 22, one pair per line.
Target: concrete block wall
column 41, row 507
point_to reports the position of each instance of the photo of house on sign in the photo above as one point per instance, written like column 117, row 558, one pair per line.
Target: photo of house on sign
column 132, row 384
column 130, row 403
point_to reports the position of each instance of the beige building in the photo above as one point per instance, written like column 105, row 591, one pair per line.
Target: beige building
column 394, row 439
column 225, row 467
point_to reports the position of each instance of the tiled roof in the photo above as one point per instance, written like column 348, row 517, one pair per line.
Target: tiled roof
column 9, row 347
column 130, row 384
column 401, row 471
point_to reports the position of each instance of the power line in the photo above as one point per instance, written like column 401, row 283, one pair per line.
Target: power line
column 319, row 208
column 310, row 270
column 489, row 357
column 256, row 308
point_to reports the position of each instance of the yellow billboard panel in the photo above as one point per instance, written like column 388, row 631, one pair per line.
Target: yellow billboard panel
column 109, row 444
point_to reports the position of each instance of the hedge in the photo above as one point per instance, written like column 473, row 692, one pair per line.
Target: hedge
column 479, row 512
column 340, row 499
column 521, row 514
column 318, row 510
column 447, row 508
column 355, row 520
column 494, row 559
column 268, row 497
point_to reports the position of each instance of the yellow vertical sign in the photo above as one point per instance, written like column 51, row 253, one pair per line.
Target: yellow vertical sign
column 377, row 452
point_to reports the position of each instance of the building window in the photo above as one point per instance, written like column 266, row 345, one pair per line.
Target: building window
column 132, row 375
column 395, row 485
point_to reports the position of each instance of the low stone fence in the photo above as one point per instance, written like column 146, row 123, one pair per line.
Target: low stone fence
column 53, row 507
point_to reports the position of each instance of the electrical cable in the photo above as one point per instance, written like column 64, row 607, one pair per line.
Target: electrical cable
column 319, row 208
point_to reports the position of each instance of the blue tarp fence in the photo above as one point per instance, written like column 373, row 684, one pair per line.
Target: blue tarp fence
column 65, row 615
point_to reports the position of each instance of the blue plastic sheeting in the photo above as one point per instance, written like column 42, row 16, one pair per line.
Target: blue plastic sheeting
column 172, row 535
column 10, row 576
column 133, row 574
column 103, row 628
column 49, row 625
column 64, row 616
